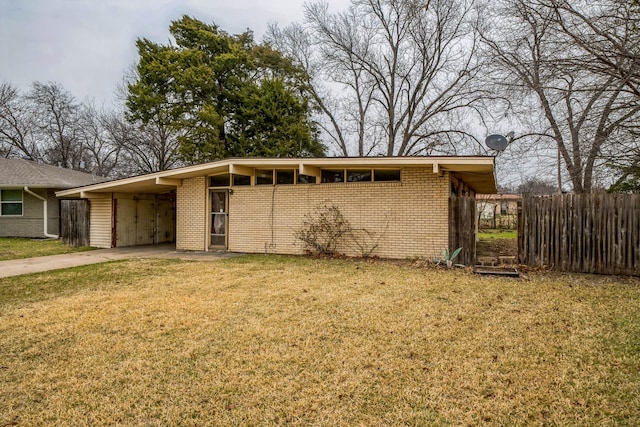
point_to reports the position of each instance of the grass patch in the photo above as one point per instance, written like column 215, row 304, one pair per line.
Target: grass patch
column 497, row 234
column 268, row 340
column 16, row 248
column 497, row 243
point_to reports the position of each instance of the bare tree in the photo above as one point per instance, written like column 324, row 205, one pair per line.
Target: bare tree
column 146, row 148
column 400, row 72
column 56, row 116
column 16, row 127
column 536, row 187
column 48, row 124
column 609, row 32
column 345, row 111
column 537, row 62
column 101, row 150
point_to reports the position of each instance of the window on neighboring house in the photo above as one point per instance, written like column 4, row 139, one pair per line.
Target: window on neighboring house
column 11, row 202
column 503, row 207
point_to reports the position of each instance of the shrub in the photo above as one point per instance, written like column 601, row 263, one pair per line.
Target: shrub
column 323, row 229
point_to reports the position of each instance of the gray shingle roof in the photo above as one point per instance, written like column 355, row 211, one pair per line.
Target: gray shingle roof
column 18, row 173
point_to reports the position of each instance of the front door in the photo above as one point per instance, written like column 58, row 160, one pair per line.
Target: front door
column 218, row 224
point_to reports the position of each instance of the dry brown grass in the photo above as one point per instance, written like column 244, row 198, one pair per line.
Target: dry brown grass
column 295, row 341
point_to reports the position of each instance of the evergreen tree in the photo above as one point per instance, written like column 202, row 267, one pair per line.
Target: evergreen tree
column 226, row 95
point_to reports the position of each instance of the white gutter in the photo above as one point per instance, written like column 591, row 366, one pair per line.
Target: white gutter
column 46, row 234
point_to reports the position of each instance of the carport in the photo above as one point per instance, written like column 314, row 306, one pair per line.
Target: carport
column 133, row 212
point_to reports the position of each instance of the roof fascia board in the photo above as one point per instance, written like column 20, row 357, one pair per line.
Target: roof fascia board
column 240, row 170
column 92, row 195
column 306, row 169
column 373, row 161
column 168, row 181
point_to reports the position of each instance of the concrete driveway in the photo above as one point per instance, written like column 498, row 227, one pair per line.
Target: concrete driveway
column 17, row 267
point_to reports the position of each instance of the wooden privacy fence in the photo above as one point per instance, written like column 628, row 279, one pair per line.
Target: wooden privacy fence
column 587, row 233
column 462, row 228
column 74, row 222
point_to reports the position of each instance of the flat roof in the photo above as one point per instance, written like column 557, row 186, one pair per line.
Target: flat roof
column 476, row 171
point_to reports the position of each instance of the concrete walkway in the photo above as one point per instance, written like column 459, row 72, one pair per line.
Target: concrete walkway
column 17, row 267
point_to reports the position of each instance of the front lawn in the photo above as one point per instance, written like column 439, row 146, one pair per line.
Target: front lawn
column 15, row 248
column 266, row 340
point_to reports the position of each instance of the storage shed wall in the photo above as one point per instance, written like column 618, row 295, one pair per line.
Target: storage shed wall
column 100, row 218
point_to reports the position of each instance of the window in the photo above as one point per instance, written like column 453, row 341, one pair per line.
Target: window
column 11, row 202
column 220, row 180
column 332, row 175
column 241, row 180
column 358, row 175
column 306, row 179
column 503, row 207
column 386, row 175
column 285, row 176
column 264, row 177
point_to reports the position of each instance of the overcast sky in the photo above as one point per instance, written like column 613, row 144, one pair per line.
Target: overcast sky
column 86, row 45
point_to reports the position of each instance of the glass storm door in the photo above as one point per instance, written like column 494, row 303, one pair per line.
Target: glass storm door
column 218, row 219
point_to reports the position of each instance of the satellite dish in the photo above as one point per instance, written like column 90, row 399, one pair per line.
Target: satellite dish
column 496, row 142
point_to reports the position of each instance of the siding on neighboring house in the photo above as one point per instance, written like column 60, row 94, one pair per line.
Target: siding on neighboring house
column 44, row 180
column 497, row 211
column 31, row 223
column 53, row 212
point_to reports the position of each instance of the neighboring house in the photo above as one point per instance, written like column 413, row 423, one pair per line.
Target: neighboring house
column 497, row 211
column 256, row 205
column 28, row 204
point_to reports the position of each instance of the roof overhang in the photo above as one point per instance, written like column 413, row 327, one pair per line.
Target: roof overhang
column 476, row 171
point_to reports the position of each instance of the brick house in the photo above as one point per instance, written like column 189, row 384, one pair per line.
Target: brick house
column 255, row 205
column 497, row 211
column 28, row 204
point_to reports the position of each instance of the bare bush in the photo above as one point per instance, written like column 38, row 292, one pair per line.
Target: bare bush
column 323, row 229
